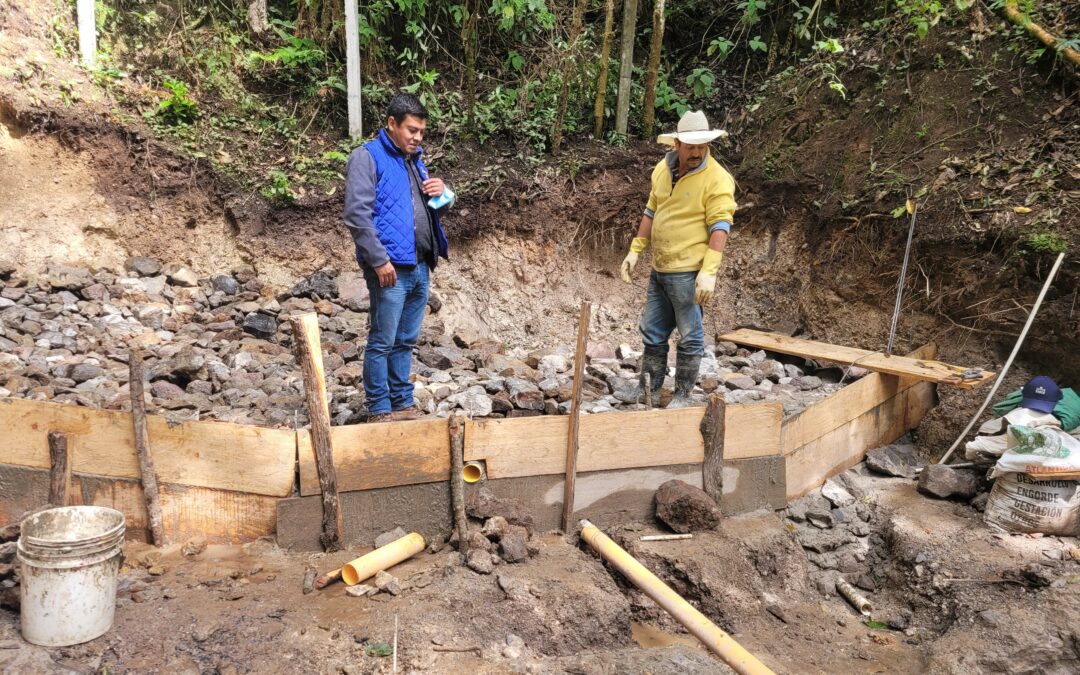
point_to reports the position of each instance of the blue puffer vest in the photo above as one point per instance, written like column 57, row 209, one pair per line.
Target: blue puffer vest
column 393, row 213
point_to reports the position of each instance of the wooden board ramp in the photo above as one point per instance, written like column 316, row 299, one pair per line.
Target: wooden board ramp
column 903, row 366
column 216, row 455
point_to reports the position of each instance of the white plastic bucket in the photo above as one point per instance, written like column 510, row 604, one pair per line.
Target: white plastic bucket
column 70, row 562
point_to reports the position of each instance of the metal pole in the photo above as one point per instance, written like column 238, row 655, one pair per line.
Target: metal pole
column 84, row 9
column 352, row 68
column 1008, row 363
column 900, row 285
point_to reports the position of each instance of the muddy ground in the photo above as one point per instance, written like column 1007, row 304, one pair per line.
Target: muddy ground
column 953, row 596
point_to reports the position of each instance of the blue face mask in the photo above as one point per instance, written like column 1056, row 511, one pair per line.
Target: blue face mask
column 447, row 198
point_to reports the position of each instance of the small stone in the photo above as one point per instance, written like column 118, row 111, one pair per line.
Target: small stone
column 836, row 493
column 179, row 275
column 85, row 371
column 388, row 583
column 165, row 390
column 194, row 546
column 515, row 589
column 495, row 528
column 942, row 481
column 389, row 537
column 513, row 546
column 320, row 285
column 143, row 266
column 360, row 590
column 992, row 617
column 234, row 592
column 480, row 562
column 685, row 508
column 260, row 325
column 225, row 284
column 893, row 460
column 482, row 503
column 807, row 382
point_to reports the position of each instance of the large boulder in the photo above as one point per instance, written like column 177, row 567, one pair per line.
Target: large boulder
column 685, row 508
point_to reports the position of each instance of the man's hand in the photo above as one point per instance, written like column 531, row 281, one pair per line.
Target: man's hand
column 704, row 287
column 636, row 247
column 627, row 267
column 387, row 275
column 433, row 187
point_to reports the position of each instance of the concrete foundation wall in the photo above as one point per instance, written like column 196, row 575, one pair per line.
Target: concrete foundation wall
column 604, row 497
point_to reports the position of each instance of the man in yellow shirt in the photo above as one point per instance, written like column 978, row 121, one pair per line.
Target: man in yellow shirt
column 687, row 219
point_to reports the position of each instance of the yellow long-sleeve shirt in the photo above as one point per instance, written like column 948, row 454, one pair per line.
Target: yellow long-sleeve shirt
column 685, row 213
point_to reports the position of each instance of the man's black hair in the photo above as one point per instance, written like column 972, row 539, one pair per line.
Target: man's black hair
column 406, row 104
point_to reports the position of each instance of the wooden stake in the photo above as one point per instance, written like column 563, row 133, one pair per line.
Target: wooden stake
column 575, row 415
column 457, row 482
column 306, row 342
column 60, row 472
column 142, row 448
column 352, row 69
column 712, row 429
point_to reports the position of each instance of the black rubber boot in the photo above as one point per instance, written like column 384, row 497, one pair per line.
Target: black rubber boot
column 653, row 363
column 686, row 372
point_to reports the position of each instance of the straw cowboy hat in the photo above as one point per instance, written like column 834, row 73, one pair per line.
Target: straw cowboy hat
column 693, row 129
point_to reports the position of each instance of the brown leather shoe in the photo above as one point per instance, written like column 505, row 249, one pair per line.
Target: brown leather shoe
column 385, row 417
column 406, row 414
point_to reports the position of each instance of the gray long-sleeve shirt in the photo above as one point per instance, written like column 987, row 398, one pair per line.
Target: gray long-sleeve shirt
column 361, row 179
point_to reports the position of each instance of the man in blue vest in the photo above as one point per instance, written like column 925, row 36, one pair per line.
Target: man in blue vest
column 398, row 241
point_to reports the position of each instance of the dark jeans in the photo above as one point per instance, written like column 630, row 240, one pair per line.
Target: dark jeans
column 670, row 305
column 396, row 314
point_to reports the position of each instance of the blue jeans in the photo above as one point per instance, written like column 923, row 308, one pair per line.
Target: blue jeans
column 670, row 305
column 396, row 314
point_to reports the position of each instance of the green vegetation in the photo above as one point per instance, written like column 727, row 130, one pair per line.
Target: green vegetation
column 1046, row 242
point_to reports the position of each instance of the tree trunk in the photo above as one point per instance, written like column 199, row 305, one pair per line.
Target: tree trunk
column 567, row 71
column 652, row 72
column 626, row 66
column 468, row 45
column 256, row 17
column 605, row 58
column 319, row 20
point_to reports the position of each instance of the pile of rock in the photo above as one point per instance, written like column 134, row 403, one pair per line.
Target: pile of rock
column 219, row 348
column 500, row 530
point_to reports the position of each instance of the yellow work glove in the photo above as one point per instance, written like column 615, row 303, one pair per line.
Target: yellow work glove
column 630, row 261
column 705, row 284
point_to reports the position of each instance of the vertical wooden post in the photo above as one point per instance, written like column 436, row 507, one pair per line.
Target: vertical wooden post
column 142, row 448
column 602, row 78
column 457, row 484
column 60, row 471
column 352, row 68
column 84, row 10
column 575, row 416
column 712, row 429
column 308, row 346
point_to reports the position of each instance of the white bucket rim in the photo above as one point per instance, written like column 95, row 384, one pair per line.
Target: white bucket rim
column 113, row 531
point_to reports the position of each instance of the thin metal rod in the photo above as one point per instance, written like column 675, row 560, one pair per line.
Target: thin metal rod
column 1009, row 362
column 900, row 286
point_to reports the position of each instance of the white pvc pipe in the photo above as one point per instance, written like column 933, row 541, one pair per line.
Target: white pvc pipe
column 87, row 32
column 1009, row 362
column 352, row 68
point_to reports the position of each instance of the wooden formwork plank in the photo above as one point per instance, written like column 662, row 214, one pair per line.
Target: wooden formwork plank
column 845, row 405
column 534, row 446
column 845, row 446
column 918, row 368
column 370, row 456
column 216, row 455
column 220, row 516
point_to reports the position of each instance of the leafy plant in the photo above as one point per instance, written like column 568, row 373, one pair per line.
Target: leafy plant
column 1046, row 242
column 701, row 82
column 178, row 107
column 278, row 191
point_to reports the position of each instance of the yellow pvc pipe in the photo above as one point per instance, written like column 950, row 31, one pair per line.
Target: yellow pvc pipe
column 719, row 642
column 369, row 564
